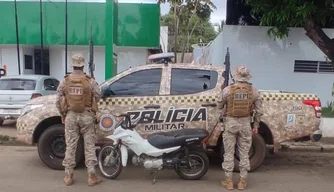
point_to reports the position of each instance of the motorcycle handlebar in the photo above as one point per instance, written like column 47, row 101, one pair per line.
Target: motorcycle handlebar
column 127, row 120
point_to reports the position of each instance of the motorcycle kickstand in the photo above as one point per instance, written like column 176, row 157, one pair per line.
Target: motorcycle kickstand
column 154, row 173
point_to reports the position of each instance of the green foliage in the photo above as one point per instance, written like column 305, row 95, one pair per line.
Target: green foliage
column 201, row 29
column 327, row 112
column 220, row 25
column 202, row 8
column 193, row 18
column 8, row 140
column 282, row 14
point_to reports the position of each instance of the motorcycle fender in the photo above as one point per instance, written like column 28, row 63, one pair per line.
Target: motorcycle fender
column 115, row 141
column 124, row 153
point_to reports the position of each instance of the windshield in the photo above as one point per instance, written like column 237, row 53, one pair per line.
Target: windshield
column 17, row 84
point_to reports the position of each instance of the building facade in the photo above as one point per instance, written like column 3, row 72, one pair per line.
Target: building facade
column 118, row 30
column 293, row 64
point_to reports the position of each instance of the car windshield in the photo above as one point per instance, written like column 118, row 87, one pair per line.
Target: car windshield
column 17, row 84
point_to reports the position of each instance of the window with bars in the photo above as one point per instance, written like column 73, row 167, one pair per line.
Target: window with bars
column 306, row 66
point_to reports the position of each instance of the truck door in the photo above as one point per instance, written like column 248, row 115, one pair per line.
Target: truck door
column 134, row 91
column 192, row 98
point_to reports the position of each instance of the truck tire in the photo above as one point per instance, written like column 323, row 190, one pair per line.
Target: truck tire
column 51, row 147
column 1, row 122
column 257, row 153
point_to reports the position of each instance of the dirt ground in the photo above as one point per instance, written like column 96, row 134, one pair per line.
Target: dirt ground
column 22, row 170
column 8, row 128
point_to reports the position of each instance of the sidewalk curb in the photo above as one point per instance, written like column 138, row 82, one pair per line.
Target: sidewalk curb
column 318, row 148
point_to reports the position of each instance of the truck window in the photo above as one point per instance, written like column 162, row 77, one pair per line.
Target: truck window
column 188, row 81
column 140, row 83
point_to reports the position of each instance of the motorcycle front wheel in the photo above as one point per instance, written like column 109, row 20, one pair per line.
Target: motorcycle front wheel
column 199, row 165
column 110, row 157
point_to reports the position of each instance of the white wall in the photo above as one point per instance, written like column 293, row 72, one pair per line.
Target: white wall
column 9, row 57
column 327, row 127
column 164, row 38
column 57, row 63
column 57, row 60
column 271, row 62
column 130, row 57
column 127, row 56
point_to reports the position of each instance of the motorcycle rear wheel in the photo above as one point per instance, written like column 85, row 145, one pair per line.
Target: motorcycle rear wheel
column 114, row 159
column 195, row 156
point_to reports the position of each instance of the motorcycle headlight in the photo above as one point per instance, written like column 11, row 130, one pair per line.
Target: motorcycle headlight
column 26, row 109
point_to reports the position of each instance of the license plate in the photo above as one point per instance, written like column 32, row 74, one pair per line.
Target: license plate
column 10, row 111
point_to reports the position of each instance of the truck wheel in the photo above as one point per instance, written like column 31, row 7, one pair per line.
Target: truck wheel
column 257, row 153
column 52, row 147
column 1, row 122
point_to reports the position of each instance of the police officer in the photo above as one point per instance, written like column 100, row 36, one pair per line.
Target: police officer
column 239, row 100
column 76, row 102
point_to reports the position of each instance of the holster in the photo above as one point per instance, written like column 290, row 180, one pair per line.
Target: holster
column 221, row 119
column 252, row 119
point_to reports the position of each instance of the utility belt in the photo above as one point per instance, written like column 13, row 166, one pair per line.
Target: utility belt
column 222, row 117
column 89, row 110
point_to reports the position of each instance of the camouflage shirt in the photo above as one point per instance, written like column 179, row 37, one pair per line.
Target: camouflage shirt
column 60, row 90
column 257, row 105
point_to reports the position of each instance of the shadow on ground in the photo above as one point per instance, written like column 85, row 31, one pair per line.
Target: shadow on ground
column 9, row 124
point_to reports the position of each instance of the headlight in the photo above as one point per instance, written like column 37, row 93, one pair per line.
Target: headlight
column 26, row 109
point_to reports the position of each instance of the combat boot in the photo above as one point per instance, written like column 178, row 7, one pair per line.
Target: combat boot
column 93, row 179
column 68, row 179
column 242, row 183
column 227, row 183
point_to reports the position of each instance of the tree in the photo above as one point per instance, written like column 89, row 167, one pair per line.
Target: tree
column 312, row 15
column 220, row 26
column 184, row 11
column 200, row 30
column 238, row 12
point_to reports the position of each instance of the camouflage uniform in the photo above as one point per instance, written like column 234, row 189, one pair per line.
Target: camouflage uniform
column 240, row 100
column 79, row 121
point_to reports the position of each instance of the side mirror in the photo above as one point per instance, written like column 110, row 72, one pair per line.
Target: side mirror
column 2, row 72
column 49, row 88
column 106, row 91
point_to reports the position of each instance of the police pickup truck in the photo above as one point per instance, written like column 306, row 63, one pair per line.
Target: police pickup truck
column 176, row 96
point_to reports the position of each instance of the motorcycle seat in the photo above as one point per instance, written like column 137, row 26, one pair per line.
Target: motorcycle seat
column 163, row 140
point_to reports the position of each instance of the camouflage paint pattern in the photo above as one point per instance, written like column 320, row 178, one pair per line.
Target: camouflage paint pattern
column 27, row 124
column 80, row 124
column 193, row 101
column 276, row 107
column 237, row 131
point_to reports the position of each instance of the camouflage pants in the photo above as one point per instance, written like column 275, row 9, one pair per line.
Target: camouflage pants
column 77, row 124
column 237, row 131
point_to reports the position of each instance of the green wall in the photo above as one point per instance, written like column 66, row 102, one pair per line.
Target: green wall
column 109, row 67
column 136, row 24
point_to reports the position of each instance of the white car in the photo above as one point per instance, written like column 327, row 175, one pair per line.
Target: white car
column 16, row 90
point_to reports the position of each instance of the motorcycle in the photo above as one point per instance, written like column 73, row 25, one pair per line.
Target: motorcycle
column 181, row 150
